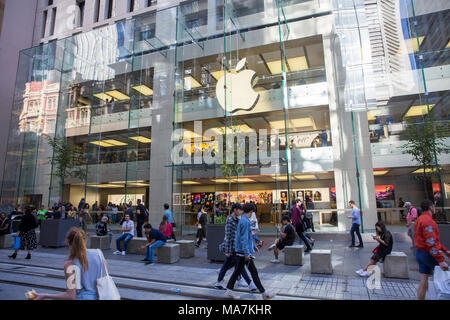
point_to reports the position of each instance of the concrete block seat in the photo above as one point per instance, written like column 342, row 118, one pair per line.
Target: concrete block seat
column 169, row 253
column 293, row 255
column 99, row 242
column 6, row 241
column 396, row 265
column 321, row 262
column 134, row 245
column 187, row 248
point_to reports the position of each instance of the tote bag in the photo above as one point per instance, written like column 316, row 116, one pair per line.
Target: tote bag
column 106, row 287
column 16, row 245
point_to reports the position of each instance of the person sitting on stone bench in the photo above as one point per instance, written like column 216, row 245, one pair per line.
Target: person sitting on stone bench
column 155, row 240
column 101, row 229
column 287, row 233
column 385, row 240
column 5, row 224
column 128, row 233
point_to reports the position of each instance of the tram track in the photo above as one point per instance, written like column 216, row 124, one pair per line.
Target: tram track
column 136, row 284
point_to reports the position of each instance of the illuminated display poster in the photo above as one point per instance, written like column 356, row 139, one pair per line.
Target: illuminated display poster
column 384, row 192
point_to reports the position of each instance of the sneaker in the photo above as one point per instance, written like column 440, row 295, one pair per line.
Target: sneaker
column 242, row 283
column 230, row 294
column 360, row 245
column 359, row 271
column 219, row 285
column 252, row 287
column 364, row 273
column 123, row 253
column 267, row 295
column 117, row 252
column 272, row 246
column 148, row 262
column 275, row 261
column 143, row 260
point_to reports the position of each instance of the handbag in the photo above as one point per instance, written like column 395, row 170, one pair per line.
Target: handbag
column 375, row 250
column 106, row 287
column 16, row 245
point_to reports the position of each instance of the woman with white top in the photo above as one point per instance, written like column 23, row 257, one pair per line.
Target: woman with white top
column 82, row 269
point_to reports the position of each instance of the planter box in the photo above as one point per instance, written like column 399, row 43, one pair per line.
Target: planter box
column 215, row 233
column 53, row 232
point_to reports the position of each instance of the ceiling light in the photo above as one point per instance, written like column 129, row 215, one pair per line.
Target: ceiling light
column 414, row 43
column 190, row 83
column 103, row 97
column 306, row 177
column 298, row 63
column 418, row 110
column 301, row 122
column 102, row 144
column 141, row 139
column 115, row 142
column 427, row 170
column 218, row 74
column 243, row 180
column 117, row 95
column 380, row 172
column 191, row 182
column 146, row 91
column 232, row 129
column 222, row 180
column 275, row 67
column 106, row 185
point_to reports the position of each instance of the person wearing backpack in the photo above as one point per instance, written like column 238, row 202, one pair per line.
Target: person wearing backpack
column 141, row 216
column 411, row 216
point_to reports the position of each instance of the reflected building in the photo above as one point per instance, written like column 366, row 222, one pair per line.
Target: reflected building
column 322, row 93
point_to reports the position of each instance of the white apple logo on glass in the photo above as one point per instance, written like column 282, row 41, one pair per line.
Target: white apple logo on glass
column 239, row 89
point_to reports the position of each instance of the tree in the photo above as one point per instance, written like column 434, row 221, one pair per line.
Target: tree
column 425, row 141
column 66, row 159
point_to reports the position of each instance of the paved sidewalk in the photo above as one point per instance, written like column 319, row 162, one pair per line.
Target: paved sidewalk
column 293, row 281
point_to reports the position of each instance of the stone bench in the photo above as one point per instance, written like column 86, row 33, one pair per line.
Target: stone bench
column 134, row 245
column 169, row 253
column 6, row 241
column 99, row 242
column 321, row 262
column 187, row 248
column 293, row 255
column 396, row 265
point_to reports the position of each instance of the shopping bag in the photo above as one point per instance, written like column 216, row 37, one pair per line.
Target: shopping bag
column 106, row 287
column 441, row 281
column 16, row 245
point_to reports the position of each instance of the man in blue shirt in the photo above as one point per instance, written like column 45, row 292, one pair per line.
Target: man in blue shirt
column 356, row 222
column 245, row 250
column 155, row 240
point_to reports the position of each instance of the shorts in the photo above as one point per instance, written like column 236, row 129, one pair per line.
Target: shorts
column 281, row 244
column 426, row 262
column 376, row 257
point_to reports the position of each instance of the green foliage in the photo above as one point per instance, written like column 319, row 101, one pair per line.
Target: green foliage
column 222, row 219
column 424, row 139
column 66, row 159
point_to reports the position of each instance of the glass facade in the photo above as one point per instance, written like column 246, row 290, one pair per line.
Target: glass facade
column 218, row 101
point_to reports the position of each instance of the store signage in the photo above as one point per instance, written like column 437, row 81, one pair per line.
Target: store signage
column 300, row 140
column 237, row 93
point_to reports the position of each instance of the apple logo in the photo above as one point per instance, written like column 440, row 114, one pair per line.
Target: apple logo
column 239, row 89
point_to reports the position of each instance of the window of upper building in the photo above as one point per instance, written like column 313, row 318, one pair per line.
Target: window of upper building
column 109, row 9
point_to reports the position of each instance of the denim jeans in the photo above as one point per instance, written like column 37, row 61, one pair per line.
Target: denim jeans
column 83, row 294
column 114, row 218
column 110, row 238
column 125, row 237
column 150, row 251
column 355, row 228
column 229, row 263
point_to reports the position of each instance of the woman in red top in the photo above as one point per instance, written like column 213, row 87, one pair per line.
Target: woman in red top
column 166, row 228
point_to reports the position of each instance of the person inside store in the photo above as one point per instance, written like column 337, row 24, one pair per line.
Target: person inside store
column 287, row 238
column 5, row 224
column 385, row 243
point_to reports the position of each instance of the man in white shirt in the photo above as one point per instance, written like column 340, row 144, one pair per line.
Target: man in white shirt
column 128, row 233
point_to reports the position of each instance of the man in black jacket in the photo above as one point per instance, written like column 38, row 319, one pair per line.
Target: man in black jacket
column 141, row 216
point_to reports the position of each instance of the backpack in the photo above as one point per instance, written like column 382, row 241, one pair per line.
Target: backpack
column 419, row 212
